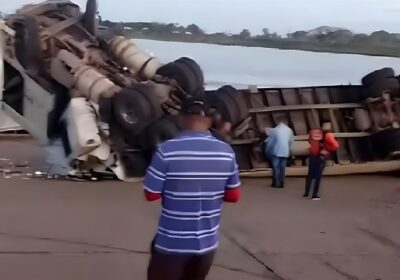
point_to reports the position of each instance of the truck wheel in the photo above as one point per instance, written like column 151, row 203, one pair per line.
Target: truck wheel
column 195, row 68
column 132, row 110
column 386, row 142
column 28, row 45
column 134, row 163
column 377, row 75
column 160, row 131
column 242, row 109
column 184, row 77
column 224, row 104
column 378, row 88
column 153, row 99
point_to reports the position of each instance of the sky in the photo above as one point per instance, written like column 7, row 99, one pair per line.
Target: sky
column 281, row 16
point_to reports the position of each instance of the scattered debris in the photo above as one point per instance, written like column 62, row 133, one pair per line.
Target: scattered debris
column 22, row 165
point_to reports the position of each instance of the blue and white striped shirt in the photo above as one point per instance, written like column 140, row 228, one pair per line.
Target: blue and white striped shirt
column 192, row 173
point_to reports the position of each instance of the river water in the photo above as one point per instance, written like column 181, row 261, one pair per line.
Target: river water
column 243, row 66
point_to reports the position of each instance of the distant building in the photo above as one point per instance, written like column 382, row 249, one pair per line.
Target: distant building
column 325, row 30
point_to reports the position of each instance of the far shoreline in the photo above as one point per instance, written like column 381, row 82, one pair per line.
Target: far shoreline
column 323, row 39
column 263, row 47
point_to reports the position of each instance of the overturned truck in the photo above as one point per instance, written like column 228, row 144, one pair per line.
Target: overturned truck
column 110, row 104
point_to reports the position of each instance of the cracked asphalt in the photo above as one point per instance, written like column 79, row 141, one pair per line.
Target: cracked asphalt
column 102, row 230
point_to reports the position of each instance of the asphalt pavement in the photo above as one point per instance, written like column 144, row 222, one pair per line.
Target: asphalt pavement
column 102, row 230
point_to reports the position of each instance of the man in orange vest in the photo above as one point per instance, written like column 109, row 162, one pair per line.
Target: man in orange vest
column 323, row 146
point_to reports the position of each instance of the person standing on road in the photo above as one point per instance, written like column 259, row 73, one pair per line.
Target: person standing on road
column 323, row 146
column 193, row 174
column 277, row 149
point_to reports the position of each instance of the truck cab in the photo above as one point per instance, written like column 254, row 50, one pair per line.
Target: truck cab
column 99, row 97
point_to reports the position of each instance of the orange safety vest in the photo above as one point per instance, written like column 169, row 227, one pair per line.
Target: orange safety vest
column 319, row 141
column 330, row 143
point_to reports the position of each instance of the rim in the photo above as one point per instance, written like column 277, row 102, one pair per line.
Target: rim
column 130, row 117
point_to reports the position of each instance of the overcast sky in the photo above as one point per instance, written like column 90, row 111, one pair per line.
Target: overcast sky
column 281, row 16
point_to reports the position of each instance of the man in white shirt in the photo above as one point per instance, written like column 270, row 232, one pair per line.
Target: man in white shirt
column 277, row 149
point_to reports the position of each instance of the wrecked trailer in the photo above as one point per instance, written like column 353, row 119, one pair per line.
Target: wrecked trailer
column 365, row 119
column 107, row 104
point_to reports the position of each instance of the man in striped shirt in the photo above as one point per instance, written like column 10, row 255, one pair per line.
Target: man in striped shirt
column 193, row 174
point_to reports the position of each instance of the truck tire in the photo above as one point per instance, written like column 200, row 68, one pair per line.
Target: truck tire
column 242, row 109
column 386, row 142
column 184, row 77
column 153, row 98
column 134, row 163
column 376, row 90
column 233, row 106
column 160, row 131
column 225, row 105
column 132, row 110
column 28, row 45
column 377, row 75
column 195, row 68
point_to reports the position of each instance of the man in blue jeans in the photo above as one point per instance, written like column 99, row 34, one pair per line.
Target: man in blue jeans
column 277, row 149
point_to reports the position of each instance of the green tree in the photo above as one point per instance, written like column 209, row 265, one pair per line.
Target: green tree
column 245, row 34
column 194, row 29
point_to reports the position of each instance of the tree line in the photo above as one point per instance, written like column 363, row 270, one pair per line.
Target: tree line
column 322, row 39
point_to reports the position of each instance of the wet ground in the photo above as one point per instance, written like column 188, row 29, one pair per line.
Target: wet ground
column 69, row 230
